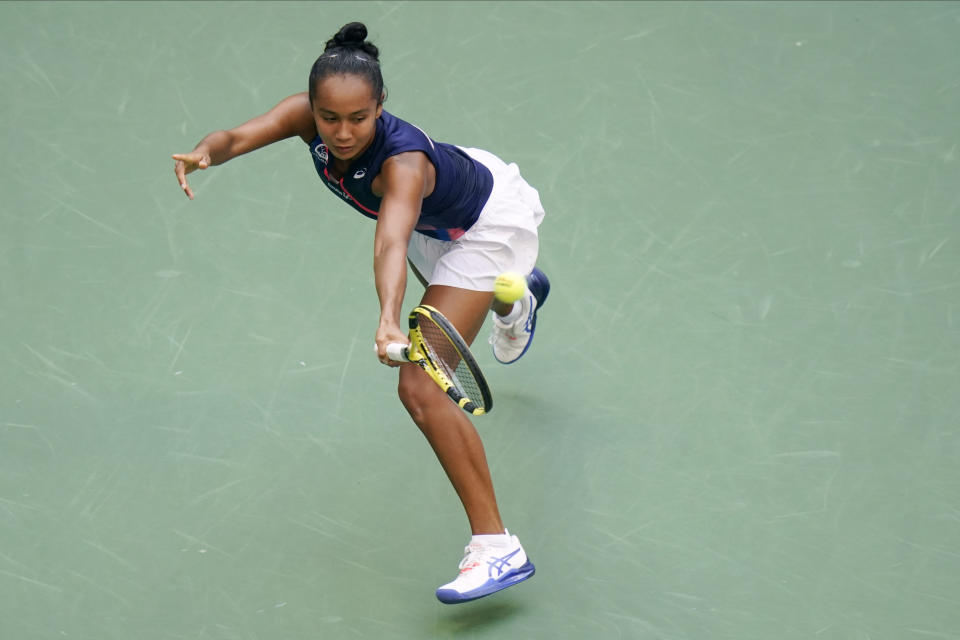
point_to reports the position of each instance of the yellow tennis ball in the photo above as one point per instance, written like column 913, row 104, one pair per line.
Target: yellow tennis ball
column 509, row 287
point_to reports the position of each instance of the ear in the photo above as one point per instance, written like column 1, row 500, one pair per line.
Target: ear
column 379, row 109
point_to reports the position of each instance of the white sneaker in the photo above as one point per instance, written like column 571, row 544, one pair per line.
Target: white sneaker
column 486, row 569
column 510, row 340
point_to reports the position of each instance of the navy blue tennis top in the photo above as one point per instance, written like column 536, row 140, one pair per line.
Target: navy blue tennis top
column 462, row 187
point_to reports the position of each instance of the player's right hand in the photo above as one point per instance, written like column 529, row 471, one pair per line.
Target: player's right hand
column 187, row 163
column 387, row 334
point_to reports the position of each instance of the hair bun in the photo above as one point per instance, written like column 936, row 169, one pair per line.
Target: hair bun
column 353, row 36
column 354, row 33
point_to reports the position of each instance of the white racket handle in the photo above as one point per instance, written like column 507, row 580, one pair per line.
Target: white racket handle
column 397, row 352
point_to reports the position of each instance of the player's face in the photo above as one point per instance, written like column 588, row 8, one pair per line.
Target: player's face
column 345, row 114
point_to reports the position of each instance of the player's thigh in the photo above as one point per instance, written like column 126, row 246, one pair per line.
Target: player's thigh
column 464, row 308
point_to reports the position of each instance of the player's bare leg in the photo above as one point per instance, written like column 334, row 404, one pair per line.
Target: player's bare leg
column 447, row 428
column 493, row 559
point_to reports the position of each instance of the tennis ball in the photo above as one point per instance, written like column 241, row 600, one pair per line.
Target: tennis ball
column 509, row 287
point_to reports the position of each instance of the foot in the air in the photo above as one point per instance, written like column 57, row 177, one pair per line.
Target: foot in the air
column 511, row 338
column 487, row 568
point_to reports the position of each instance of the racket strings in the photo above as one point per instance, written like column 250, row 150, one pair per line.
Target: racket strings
column 447, row 357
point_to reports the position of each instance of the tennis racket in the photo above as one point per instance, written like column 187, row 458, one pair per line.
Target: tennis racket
column 437, row 347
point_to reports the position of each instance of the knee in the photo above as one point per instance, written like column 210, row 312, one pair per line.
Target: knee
column 414, row 394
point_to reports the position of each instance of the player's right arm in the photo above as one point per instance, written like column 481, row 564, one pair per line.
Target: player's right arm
column 291, row 117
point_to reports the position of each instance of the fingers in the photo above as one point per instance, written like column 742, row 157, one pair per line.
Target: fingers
column 185, row 163
column 182, row 179
column 178, row 170
column 193, row 160
column 384, row 358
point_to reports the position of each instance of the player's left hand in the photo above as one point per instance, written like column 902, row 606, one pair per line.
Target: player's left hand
column 188, row 163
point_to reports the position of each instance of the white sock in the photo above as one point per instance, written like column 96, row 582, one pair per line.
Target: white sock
column 495, row 538
column 514, row 313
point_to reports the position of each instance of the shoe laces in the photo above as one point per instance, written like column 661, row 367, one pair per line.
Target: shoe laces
column 474, row 555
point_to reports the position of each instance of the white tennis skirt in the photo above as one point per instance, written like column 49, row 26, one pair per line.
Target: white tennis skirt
column 504, row 237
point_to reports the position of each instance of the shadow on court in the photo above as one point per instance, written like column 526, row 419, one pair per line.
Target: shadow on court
column 479, row 616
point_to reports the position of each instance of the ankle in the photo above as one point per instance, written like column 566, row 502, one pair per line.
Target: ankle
column 513, row 314
column 490, row 538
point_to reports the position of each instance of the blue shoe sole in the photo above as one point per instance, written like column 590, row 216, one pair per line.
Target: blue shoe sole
column 449, row 596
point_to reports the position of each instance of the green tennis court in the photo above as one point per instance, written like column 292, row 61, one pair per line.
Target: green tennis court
column 740, row 418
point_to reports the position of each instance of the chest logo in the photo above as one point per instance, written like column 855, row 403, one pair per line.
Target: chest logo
column 321, row 152
column 360, row 173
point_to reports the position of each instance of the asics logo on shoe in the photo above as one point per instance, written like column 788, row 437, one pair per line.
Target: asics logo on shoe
column 499, row 564
column 528, row 326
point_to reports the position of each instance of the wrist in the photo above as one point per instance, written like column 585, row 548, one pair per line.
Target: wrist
column 204, row 151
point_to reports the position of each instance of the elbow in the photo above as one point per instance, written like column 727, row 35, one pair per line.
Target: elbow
column 383, row 251
column 383, row 247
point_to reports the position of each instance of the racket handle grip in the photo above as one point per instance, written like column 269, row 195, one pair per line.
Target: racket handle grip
column 397, row 352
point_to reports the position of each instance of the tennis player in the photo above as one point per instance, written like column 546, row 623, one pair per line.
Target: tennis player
column 459, row 216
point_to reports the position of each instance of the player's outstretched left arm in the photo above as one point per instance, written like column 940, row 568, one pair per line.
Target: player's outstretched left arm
column 291, row 117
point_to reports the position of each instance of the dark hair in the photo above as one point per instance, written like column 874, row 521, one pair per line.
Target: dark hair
column 349, row 53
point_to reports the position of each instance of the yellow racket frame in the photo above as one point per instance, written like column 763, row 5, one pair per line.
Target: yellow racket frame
column 418, row 354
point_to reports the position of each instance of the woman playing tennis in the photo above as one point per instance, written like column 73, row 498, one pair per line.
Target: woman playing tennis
column 459, row 217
